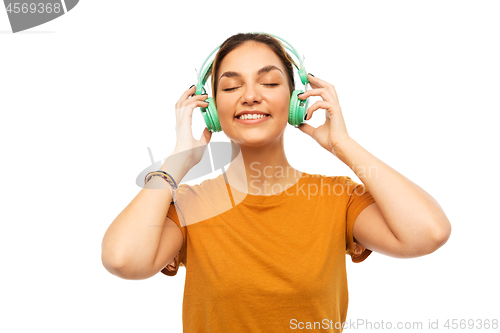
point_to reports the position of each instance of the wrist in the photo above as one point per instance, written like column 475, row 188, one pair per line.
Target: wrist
column 341, row 149
column 177, row 166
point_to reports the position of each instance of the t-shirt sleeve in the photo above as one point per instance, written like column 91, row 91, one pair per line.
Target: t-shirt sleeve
column 180, row 259
column 359, row 199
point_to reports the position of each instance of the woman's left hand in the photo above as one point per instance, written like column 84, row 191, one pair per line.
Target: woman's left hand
column 333, row 131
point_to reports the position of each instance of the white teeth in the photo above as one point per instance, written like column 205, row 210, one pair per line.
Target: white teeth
column 252, row 116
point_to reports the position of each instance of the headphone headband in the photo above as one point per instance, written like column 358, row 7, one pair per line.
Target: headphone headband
column 297, row 108
column 203, row 74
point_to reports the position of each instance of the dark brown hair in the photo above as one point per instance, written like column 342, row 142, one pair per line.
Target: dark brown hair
column 236, row 40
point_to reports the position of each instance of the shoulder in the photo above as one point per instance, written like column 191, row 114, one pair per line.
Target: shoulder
column 205, row 190
column 340, row 180
column 205, row 185
column 332, row 186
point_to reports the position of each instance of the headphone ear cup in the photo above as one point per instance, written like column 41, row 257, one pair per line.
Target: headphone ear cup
column 297, row 109
column 210, row 116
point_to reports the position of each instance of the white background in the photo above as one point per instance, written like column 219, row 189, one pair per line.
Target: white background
column 83, row 96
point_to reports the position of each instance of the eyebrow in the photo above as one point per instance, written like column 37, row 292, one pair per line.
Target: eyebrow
column 265, row 69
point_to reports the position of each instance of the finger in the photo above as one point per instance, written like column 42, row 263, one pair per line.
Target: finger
column 180, row 106
column 201, row 97
column 188, row 109
column 187, row 93
column 205, row 136
column 306, row 128
column 324, row 93
column 196, row 99
column 202, row 104
column 312, row 82
column 319, row 105
column 315, row 85
column 322, row 83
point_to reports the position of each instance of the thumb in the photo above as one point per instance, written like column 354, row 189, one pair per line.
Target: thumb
column 206, row 136
column 306, row 128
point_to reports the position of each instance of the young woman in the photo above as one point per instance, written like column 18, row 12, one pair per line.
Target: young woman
column 264, row 244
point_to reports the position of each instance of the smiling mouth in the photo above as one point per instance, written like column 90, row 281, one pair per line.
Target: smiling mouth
column 252, row 118
column 251, row 121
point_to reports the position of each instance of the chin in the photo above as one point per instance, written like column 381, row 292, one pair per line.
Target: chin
column 255, row 141
column 256, row 138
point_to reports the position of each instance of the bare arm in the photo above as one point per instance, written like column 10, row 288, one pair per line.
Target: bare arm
column 141, row 238
column 405, row 221
column 130, row 244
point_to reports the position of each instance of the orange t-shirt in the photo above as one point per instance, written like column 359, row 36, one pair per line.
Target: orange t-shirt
column 260, row 263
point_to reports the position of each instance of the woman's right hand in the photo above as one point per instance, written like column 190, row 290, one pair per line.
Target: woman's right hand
column 186, row 144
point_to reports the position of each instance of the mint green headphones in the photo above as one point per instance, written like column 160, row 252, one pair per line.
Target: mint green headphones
column 297, row 108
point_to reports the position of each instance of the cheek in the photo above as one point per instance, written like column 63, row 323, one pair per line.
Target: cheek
column 226, row 107
column 283, row 102
column 284, row 96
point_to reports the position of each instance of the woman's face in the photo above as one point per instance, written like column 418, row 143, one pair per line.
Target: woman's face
column 252, row 78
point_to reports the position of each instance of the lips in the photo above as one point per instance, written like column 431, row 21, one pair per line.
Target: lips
column 251, row 121
column 240, row 117
column 250, row 112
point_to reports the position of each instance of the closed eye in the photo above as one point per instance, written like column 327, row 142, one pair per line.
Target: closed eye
column 265, row 84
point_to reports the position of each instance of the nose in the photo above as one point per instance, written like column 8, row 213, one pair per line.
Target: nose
column 251, row 94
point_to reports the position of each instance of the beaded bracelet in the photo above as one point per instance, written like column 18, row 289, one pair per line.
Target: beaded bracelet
column 165, row 176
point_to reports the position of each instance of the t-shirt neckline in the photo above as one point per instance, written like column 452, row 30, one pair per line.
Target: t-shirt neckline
column 267, row 199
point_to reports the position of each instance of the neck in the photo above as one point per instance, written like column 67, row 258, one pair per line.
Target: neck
column 261, row 170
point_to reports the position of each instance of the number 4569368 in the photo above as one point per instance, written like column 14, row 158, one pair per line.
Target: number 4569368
column 32, row 8
column 471, row 324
